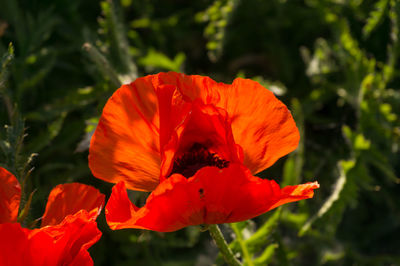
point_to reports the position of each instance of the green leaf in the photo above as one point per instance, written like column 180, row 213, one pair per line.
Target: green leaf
column 155, row 59
column 53, row 129
column 102, row 64
column 344, row 168
column 24, row 212
column 218, row 16
column 266, row 255
column 260, row 237
column 375, row 17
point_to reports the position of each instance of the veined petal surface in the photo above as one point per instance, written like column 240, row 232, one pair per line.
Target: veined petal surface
column 211, row 196
column 125, row 144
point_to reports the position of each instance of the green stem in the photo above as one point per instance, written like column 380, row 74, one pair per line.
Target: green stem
column 102, row 64
column 219, row 239
column 245, row 251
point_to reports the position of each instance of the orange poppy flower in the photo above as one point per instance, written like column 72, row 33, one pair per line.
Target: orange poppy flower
column 196, row 144
column 68, row 226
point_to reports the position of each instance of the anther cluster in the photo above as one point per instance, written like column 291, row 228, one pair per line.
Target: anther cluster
column 196, row 158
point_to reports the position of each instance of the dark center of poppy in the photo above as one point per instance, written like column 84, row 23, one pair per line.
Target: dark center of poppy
column 196, row 158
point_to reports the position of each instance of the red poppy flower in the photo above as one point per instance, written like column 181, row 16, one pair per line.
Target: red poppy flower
column 196, row 144
column 68, row 225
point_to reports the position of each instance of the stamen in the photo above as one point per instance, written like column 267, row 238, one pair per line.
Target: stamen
column 196, row 158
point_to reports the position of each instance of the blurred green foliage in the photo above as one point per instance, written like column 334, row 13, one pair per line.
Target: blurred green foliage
column 333, row 62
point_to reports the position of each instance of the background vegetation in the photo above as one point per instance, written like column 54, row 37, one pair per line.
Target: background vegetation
column 333, row 62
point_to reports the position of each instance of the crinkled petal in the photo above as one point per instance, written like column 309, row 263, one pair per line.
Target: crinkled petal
column 10, row 196
column 209, row 126
column 64, row 244
column 183, row 124
column 68, row 199
column 261, row 124
column 211, row 196
column 73, row 237
column 125, row 144
column 170, row 207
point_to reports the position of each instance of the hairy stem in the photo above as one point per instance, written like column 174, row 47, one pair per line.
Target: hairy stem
column 219, row 239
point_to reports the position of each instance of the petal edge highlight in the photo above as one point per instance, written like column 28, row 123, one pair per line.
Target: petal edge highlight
column 68, row 199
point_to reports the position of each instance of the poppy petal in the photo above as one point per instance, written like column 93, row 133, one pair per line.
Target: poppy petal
column 261, row 124
column 68, row 199
column 211, row 196
column 199, row 124
column 125, row 144
column 71, row 238
column 10, row 196
column 64, row 244
column 168, row 208
column 209, row 124
column 13, row 244
column 173, row 113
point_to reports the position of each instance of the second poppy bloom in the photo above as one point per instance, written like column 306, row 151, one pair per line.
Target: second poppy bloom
column 196, row 144
column 68, row 226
